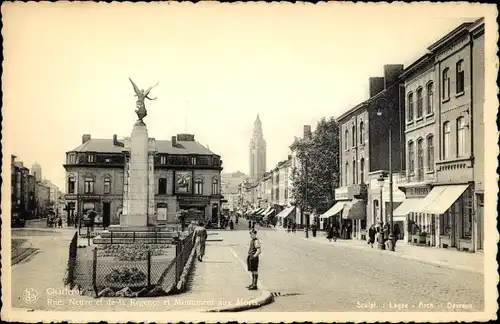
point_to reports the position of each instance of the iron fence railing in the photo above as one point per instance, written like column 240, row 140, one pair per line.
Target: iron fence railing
column 118, row 266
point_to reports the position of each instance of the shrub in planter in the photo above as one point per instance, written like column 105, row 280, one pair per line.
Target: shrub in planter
column 126, row 276
column 132, row 252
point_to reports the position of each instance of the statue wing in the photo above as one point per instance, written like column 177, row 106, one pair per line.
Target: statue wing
column 136, row 89
column 149, row 89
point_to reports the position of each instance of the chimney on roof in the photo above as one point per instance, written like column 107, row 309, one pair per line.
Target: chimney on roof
column 174, row 141
column 12, row 158
column 376, row 85
column 392, row 73
column 307, row 131
column 85, row 138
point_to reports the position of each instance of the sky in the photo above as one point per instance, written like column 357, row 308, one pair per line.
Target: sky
column 67, row 65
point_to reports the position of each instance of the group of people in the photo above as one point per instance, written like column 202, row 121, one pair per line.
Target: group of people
column 385, row 230
column 291, row 226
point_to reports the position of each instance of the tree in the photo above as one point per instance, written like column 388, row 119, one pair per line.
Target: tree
column 320, row 154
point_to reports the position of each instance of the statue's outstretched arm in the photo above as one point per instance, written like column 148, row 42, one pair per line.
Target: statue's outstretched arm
column 150, row 98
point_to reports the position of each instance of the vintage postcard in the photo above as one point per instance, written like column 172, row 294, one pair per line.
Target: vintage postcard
column 252, row 162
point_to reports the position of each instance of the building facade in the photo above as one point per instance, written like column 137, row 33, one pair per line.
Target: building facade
column 21, row 196
column 445, row 142
column 364, row 150
column 186, row 178
column 257, row 152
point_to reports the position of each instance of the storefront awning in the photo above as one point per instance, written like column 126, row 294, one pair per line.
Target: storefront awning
column 269, row 212
column 264, row 211
column 440, row 199
column 354, row 209
column 285, row 212
column 337, row 208
column 409, row 205
column 449, row 195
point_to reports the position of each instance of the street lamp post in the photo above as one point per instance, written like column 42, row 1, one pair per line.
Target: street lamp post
column 306, row 199
column 391, row 219
column 381, row 181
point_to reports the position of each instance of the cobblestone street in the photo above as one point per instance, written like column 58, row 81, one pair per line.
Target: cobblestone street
column 336, row 277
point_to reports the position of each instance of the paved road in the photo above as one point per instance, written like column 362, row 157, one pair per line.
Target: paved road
column 338, row 278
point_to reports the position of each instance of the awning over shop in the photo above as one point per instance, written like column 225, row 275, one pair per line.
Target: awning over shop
column 440, row 199
column 449, row 195
column 265, row 211
column 354, row 209
column 269, row 212
column 339, row 205
column 409, row 205
column 258, row 211
column 285, row 212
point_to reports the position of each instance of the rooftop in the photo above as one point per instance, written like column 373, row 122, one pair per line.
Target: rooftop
column 100, row 145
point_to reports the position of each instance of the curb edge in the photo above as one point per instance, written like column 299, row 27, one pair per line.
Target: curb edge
column 265, row 298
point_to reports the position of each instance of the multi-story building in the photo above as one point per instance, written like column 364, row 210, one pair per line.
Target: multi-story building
column 445, row 140
column 42, row 199
column 364, row 150
column 186, row 177
column 229, row 187
column 36, row 171
column 20, row 190
column 257, row 152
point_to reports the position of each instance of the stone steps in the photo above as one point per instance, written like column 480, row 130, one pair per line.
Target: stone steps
column 131, row 235
column 138, row 240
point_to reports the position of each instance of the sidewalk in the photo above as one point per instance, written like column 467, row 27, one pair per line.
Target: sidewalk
column 216, row 283
column 448, row 258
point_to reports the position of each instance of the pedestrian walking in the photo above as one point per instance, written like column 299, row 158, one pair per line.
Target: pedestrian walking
column 200, row 235
column 335, row 233
column 59, row 222
column 371, row 235
column 249, row 224
column 329, row 232
column 294, row 227
column 254, row 251
column 231, row 225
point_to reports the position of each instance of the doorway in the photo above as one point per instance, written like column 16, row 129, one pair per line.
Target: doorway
column 106, row 214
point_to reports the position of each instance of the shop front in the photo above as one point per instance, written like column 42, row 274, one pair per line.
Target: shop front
column 286, row 216
column 332, row 215
column 403, row 215
column 353, row 223
column 446, row 214
column 193, row 208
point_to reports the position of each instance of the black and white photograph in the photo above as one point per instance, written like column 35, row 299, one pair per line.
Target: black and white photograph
column 249, row 162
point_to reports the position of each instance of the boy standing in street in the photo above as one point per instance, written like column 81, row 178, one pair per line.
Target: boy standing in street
column 254, row 251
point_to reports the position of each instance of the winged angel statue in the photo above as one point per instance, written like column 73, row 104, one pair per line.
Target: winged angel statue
column 141, row 96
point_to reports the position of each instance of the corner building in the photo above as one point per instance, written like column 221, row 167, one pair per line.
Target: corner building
column 445, row 142
column 186, row 177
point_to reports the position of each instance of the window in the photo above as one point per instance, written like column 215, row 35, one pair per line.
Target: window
column 460, row 137
column 354, row 173
column 420, row 159
column 430, row 153
column 163, row 160
column 353, row 135
column 411, row 157
column 90, row 158
column 361, row 130
column 277, row 194
column 430, row 98
column 198, row 186
column 215, row 186
column 71, row 158
column 346, row 139
column 71, row 185
column 162, row 186
column 410, row 107
column 460, row 77
column 446, row 140
column 420, row 103
column 346, row 174
column 107, row 185
column 362, row 171
column 446, row 84
column 89, row 185
column 193, row 160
